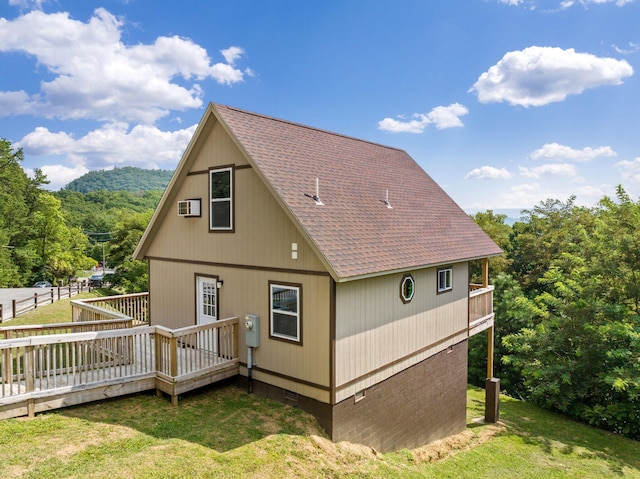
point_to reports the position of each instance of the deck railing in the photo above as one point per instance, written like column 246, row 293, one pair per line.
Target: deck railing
column 134, row 306
column 480, row 308
column 11, row 332
column 44, row 372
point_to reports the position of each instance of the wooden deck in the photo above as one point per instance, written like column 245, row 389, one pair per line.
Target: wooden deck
column 48, row 371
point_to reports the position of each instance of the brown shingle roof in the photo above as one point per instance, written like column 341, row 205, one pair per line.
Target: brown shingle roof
column 354, row 230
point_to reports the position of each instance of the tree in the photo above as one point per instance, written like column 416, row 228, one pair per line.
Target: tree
column 493, row 225
column 36, row 241
column 581, row 354
column 514, row 311
column 548, row 230
column 131, row 275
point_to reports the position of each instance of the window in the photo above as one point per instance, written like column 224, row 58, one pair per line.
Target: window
column 221, row 199
column 284, row 311
column 407, row 288
column 445, row 280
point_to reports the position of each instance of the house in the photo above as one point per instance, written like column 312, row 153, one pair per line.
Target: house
column 355, row 262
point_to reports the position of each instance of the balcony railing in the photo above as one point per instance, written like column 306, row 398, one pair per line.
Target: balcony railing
column 481, row 313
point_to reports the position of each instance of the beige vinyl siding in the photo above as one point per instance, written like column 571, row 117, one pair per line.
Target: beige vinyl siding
column 378, row 336
column 247, row 291
column 263, row 232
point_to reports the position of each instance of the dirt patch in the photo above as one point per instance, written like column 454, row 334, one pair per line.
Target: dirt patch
column 333, row 449
column 95, row 437
column 452, row 445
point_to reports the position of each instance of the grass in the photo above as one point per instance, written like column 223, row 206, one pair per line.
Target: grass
column 222, row 432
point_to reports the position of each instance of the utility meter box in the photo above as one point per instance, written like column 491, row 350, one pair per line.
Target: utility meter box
column 252, row 330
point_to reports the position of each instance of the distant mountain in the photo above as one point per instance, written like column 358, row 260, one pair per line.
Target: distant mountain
column 128, row 178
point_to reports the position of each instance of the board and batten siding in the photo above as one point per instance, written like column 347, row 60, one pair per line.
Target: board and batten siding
column 377, row 335
column 302, row 369
column 258, row 251
column 263, row 232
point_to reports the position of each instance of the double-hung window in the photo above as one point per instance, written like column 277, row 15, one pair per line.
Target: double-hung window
column 221, row 199
column 445, row 280
column 285, row 315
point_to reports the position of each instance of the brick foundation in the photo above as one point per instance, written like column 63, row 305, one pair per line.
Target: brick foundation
column 419, row 405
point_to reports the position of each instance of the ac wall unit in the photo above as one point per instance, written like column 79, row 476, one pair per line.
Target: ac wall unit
column 188, row 208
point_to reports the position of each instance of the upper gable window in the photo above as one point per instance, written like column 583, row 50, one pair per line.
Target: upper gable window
column 221, row 199
column 445, row 280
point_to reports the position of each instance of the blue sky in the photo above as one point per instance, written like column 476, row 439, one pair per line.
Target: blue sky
column 505, row 103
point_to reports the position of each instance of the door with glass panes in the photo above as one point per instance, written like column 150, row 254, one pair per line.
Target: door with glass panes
column 207, row 311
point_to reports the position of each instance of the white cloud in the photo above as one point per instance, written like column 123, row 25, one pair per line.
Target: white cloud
column 231, row 54
column 111, row 145
column 488, row 172
column 441, row 116
column 633, row 48
column 27, row 3
column 619, row 3
column 630, row 170
column 555, row 151
column 511, row 2
column 538, row 76
column 97, row 76
column 554, row 169
column 59, row 175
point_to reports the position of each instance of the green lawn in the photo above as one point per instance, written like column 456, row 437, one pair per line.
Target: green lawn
column 221, row 432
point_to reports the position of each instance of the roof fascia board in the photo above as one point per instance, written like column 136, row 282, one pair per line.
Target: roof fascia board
column 412, row 268
column 275, row 195
column 179, row 174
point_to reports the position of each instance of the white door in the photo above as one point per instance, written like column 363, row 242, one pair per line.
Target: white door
column 207, row 304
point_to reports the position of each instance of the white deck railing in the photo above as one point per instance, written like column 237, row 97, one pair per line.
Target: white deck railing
column 46, row 371
column 134, row 306
column 481, row 313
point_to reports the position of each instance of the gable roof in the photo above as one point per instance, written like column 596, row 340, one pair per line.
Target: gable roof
column 354, row 232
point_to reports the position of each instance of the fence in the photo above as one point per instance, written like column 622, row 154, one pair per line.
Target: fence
column 21, row 306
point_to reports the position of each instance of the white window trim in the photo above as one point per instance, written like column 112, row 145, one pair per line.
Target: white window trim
column 298, row 290
column 219, row 200
column 448, row 275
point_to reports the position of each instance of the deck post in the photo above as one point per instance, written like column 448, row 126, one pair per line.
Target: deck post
column 173, row 357
column 492, row 400
column 7, row 366
column 492, row 385
column 490, row 339
column 485, row 272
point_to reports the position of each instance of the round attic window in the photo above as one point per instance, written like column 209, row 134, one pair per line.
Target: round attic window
column 407, row 288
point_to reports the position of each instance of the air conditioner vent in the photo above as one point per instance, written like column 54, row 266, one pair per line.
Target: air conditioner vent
column 188, row 208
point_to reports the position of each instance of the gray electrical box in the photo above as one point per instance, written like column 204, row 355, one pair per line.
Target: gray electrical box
column 252, row 330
